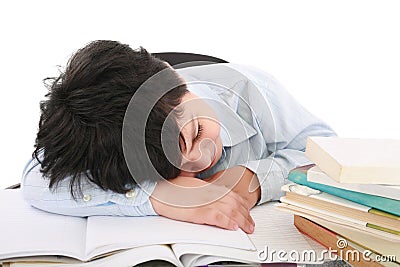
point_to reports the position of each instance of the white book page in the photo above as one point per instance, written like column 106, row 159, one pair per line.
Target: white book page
column 110, row 233
column 189, row 254
column 369, row 240
column 45, row 259
column 26, row 231
column 341, row 201
column 323, row 212
column 130, row 257
column 312, row 193
column 274, row 229
column 361, row 152
column 316, row 175
column 189, row 259
column 334, row 219
column 207, row 260
column 353, row 160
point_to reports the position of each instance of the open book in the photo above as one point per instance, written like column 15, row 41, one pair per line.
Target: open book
column 30, row 235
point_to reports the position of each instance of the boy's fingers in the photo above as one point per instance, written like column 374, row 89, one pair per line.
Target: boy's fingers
column 238, row 202
column 227, row 215
column 219, row 219
column 238, row 198
column 241, row 216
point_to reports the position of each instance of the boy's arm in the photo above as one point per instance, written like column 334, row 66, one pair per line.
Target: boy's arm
column 241, row 180
column 214, row 205
column 194, row 200
column 92, row 201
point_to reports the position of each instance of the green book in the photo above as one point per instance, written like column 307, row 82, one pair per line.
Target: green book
column 299, row 176
column 380, row 228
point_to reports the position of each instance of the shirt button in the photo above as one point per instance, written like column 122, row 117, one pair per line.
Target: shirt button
column 130, row 194
column 87, row 198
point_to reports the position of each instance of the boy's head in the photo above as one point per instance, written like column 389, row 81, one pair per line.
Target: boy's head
column 81, row 121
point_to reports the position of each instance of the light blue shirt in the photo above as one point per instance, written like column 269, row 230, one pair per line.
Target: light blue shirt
column 262, row 128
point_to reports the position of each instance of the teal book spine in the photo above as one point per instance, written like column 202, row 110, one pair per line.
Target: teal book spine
column 381, row 203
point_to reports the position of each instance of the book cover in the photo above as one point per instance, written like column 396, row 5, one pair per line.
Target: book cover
column 361, row 237
column 299, row 176
column 336, row 218
column 316, row 175
column 352, row 160
column 332, row 241
column 343, row 207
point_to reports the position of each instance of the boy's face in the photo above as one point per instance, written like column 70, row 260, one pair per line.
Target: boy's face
column 199, row 139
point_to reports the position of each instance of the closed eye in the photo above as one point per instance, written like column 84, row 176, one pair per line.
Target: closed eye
column 182, row 143
column 199, row 132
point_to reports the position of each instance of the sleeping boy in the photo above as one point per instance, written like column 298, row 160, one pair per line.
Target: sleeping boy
column 123, row 133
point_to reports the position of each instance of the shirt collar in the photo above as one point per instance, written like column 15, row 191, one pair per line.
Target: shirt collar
column 234, row 129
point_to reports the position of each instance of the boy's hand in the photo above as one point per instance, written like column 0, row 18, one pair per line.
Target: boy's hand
column 241, row 180
column 193, row 200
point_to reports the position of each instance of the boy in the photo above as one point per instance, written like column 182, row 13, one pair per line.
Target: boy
column 122, row 133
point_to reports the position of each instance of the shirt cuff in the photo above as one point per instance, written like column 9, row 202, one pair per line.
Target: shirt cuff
column 147, row 208
column 138, row 203
column 271, row 179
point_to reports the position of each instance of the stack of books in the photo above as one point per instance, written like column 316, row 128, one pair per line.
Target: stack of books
column 349, row 201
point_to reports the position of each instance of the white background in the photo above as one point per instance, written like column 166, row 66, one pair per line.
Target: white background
column 340, row 59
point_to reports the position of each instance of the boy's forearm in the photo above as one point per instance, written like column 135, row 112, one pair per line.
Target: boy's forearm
column 241, row 180
column 204, row 204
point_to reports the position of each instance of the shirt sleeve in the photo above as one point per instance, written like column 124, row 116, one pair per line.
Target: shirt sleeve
column 285, row 130
column 92, row 201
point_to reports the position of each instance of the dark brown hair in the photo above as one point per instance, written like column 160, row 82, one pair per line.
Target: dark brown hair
column 81, row 120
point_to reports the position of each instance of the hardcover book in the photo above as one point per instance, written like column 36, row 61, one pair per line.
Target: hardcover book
column 352, row 160
column 356, row 255
column 299, row 176
column 306, row 197
column 316, row 175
